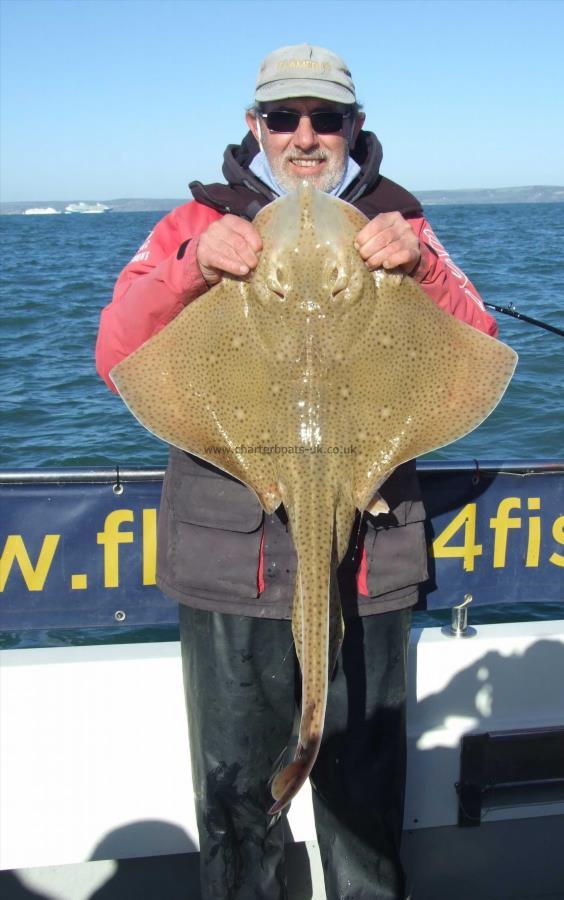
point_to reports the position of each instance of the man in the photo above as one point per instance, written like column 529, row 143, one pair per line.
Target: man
column 232, row 568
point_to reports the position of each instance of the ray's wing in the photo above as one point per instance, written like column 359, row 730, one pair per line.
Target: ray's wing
column 200, row 384
column 422, row 379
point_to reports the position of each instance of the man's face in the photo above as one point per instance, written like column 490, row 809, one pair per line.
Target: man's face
column 320, row 158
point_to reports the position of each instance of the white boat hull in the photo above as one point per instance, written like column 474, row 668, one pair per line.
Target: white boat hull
column 94, row 760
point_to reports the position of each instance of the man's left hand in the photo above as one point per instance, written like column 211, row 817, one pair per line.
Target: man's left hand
column 388, row 241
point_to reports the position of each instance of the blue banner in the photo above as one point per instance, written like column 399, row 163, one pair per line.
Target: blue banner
column 78, row 554
column 498, row 535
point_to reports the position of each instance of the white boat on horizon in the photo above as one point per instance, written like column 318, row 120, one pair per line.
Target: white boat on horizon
column 41, row 211
column 82, row 207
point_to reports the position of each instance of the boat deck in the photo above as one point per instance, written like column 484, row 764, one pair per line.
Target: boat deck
column 97, row 802
column 513, row 860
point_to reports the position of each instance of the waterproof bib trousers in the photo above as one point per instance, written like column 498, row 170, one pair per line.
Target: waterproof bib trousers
column 242, row 689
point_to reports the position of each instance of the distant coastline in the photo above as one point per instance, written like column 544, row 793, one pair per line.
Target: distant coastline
column 529, row 194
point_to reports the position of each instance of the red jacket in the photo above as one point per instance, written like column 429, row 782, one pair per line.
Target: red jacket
column 163, row 277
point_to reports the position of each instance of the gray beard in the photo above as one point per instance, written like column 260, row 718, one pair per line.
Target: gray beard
column 326, row 181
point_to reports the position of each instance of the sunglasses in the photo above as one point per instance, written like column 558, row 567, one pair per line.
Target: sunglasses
column 286, row 121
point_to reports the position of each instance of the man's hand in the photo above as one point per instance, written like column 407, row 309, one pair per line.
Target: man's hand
column 229, row 246
column 389, row 241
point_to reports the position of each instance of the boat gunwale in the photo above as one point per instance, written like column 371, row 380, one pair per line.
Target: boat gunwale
column 111, row 474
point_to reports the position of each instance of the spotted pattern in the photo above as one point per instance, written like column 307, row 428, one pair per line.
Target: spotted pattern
column 313, row 352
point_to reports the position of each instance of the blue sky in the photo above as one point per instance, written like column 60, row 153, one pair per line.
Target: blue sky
column 103, row 99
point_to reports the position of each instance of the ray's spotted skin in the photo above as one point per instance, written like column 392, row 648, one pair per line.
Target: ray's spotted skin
column 310, row 382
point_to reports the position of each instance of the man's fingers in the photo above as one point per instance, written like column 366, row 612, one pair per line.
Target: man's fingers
column 220, row 261
column 246, row 230
column 402, row 259
column 394, row 255
column 228, row 262
column 378, row 224
column 368, row 243
column 230, row 245
column 375, row 243
column 224, row 256
column 239, row 246
column 389, row 241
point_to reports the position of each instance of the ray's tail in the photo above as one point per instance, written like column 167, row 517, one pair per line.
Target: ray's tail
column 317, row 625
column 287, row 783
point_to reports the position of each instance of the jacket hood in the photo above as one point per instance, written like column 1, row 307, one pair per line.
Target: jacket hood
column 245, row 194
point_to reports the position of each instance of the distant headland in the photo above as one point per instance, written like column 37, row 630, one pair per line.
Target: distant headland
column 529, row 194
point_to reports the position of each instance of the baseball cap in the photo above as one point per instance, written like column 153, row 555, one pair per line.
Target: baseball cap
column 303, row 70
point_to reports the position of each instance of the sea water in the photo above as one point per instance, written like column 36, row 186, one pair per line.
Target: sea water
column 59, row 271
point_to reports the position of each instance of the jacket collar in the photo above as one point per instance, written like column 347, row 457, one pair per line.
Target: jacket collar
column 245, row 194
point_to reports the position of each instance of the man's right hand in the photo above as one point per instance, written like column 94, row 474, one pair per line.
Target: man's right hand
column 229, row 246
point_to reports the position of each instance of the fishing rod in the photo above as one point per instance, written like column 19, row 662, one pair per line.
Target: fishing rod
column 511, row 311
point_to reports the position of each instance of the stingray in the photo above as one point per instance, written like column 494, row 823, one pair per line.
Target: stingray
column 310, row 382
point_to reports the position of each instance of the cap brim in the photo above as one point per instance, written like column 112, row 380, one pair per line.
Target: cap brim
column 304, row 87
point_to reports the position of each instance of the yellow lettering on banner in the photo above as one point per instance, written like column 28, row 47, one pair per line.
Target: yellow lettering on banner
column 15, row 551
column 501, row 525
column 465, row 519
column 149, row 546
column 557, row 559
column 111, row 537
column 79, row 582
column 534, row 542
